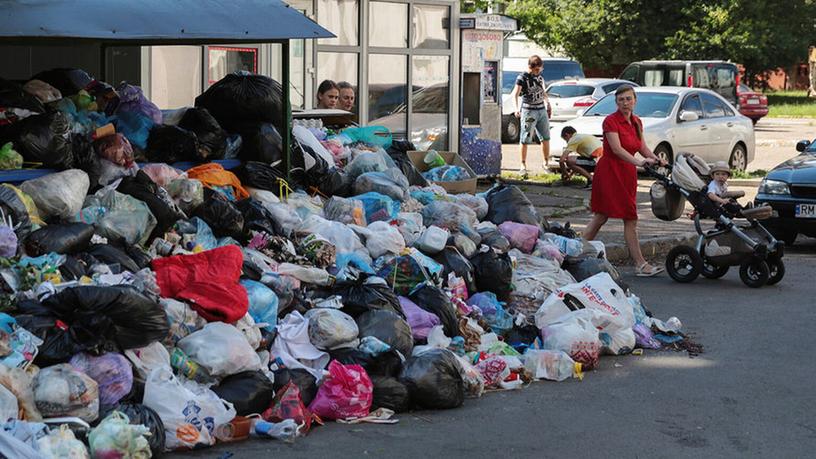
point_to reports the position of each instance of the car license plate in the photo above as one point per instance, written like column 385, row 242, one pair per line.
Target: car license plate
column 753, row 101
column 805, row 211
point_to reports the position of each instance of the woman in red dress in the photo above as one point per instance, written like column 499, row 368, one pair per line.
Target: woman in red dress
column 614, row 188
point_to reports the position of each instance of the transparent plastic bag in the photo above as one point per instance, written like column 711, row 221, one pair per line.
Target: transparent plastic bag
column 449, row 215
column 381, row 238
column 221, row 349
column 162, row 174
column 186, row 193
column 521, row 236
column 345, row 240
column 263, row 303
column 410, row 226
column 477, row 204
column 62, row 443
column 126, row 216
column 112, row 373
column 115, row 436
column 378, row 206
column 345, row 210
column 364, row 163
column 60, row 390
column 331, row 328
column 552, row 365
column 305, row 205
column 9, row 408
column 60, row 194
column 391, row 183
column 575, row 335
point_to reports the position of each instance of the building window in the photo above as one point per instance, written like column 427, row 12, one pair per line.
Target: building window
column 429, row 102
column 340, row 17
column 387, row 91
column 431, row 27
column 222, row 61
column 388, row 24
column 336, row 67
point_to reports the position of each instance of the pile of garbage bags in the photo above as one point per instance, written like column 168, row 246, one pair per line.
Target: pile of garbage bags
column 160, row 310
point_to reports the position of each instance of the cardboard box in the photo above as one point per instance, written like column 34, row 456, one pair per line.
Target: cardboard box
column 452, row 158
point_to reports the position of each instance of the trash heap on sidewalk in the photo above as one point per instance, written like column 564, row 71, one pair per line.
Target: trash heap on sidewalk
column 147, row 308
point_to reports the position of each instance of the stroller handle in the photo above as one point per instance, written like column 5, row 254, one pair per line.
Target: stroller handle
column 654, row 172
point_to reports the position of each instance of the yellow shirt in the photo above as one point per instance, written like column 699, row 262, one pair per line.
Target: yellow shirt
column 583, row 144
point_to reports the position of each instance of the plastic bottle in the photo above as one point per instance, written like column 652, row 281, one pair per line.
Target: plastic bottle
column 189, row 368
column 285, row 430
column 552, row 365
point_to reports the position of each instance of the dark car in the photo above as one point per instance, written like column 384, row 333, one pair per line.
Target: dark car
column 790, row 188
column 752, row 104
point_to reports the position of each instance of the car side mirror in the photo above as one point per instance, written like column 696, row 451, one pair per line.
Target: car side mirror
column 802, row 145
column 686, row 115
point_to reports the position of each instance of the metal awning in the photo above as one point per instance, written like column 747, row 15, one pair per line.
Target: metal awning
column 153, row 22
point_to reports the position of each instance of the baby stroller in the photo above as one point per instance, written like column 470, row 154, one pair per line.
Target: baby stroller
column 737, row 239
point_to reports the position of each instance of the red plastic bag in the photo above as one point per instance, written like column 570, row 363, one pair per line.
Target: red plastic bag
column 346, row 392
column 289, row 405
column 115, row 148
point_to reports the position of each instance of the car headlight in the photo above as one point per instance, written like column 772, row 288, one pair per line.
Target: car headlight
column 773, row 187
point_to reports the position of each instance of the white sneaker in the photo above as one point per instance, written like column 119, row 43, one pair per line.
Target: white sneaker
column 523, row 172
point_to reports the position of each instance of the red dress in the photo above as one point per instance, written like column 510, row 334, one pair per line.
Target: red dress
column 614, row 186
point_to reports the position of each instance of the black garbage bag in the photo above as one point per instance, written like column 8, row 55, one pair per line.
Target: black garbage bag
column 259, row 175
column 258, row 218
column 434, row 379
column 112, row 257
column 366, row 294
column 389, row 328
column 493, row 238
column 222, row 216
column 59, row 238
column 263, row 144
column 494, row 273
column 46, row 139
column 304, row 381
column 521, row 335
column 12, row 206
column 390, row 393
column 67, row 81
column 509, row 203
column 16, row 102
column 435, row 300
column 584, row 268
column 249, row 391
column 454, row 262
column 118, row 314
column 144, row 415
column 323, row 176
column 242, row 101
column 143, row 188
column 170, row 144
column 60, row 341
column 137, row 254
column 386, row 364
column 85, row 158
column 73, row 268
column 398, row 151
column 212, row 140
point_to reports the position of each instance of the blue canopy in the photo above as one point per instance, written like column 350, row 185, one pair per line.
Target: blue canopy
column 153, row 22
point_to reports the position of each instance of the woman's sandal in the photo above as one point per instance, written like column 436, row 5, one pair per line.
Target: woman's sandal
column 647, row 270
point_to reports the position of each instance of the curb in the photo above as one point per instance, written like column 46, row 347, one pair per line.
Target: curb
column 652, row 248
column 744, row 182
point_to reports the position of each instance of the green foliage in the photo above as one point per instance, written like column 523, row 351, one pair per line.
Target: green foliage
column 760, row 34
column 790, row 104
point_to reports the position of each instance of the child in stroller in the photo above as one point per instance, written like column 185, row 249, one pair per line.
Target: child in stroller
column 732, row 242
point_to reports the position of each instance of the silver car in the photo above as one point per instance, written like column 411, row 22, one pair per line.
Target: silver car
column 676, row 119
column 569, row 97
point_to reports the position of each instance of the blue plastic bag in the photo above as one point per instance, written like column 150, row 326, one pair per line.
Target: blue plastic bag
column 204, row 235
column 375, row 135
column 378, row 206
column 446, row 173
column 263, row 303
column 135, row 126
column 493, row 311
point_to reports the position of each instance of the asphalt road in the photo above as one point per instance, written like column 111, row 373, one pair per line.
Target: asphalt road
column 748, row 395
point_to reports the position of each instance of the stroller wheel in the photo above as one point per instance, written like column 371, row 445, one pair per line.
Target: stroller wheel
column 684, row 264
column 711, row 271
column 754, row 273
column 777, row 270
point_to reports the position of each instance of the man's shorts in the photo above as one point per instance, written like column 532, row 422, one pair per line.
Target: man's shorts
column 534, row 121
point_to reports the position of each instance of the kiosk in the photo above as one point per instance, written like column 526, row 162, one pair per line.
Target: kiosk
column 480, row 95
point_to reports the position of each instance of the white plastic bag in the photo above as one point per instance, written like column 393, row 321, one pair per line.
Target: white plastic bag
column 410, row 226
column 251, row 331
column 62, row 443
column 477, row 203
column 433, row 240
column 189, row 418
column 598, row 292
column 535, row 278
column 345, row 240
column 125, row 216
column 309, row 275
column 552, row 365
column 148, row 358
column 575, row 335
column 9, row 408
column 381, row 239
column 60, row 390
column 331, row 328
column 60, row 194
column 436, row 339
column 221, row 349
column 116, row 437
column 264, row 196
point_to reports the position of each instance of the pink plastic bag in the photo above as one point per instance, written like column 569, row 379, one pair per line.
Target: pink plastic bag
column 347, row 392
column 161, row 173
column 521, row 236
column 420, row 320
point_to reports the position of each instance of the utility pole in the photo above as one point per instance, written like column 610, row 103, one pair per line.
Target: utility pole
column 812, row 71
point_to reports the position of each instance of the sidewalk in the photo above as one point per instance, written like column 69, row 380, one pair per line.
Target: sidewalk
column 571, row 204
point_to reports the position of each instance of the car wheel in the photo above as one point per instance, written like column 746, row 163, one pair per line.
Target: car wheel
column 739, row 158
column 663, row 152
column 511, row 130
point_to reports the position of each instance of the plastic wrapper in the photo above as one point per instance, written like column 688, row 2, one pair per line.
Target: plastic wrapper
column 447, row 173
column 61, row 443
column 331, row 328
column 249, row 392
column 390, row 183
column 164, row 210
column 60, row 390
column 189, row 416
column 109, row 172
column 305, row 205
column 434, row 379
column 9, row 408
column 534, row 278
column 345, row 210
column 186, row 193
column 115, row 148
column 220, row 348
column 112, row 373
column 116, row 437
column 382, row 238
column 389, row 328
column 509, row 203
column 576, row 336
column 251, row 331
column 345, row 393
column 60, row 194
column 182, row 320
column 449, row 215
column 567, row 246
column 477, row 204
column 63, row 238
column 598, row 292
column 410, row 226
column 343, row 238
column 364, row 163
column 492, row 237
column 125, row 217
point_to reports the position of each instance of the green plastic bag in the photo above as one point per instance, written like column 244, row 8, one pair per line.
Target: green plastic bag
column 9, row 158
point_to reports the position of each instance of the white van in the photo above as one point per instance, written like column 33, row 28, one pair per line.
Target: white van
column 555, row 69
